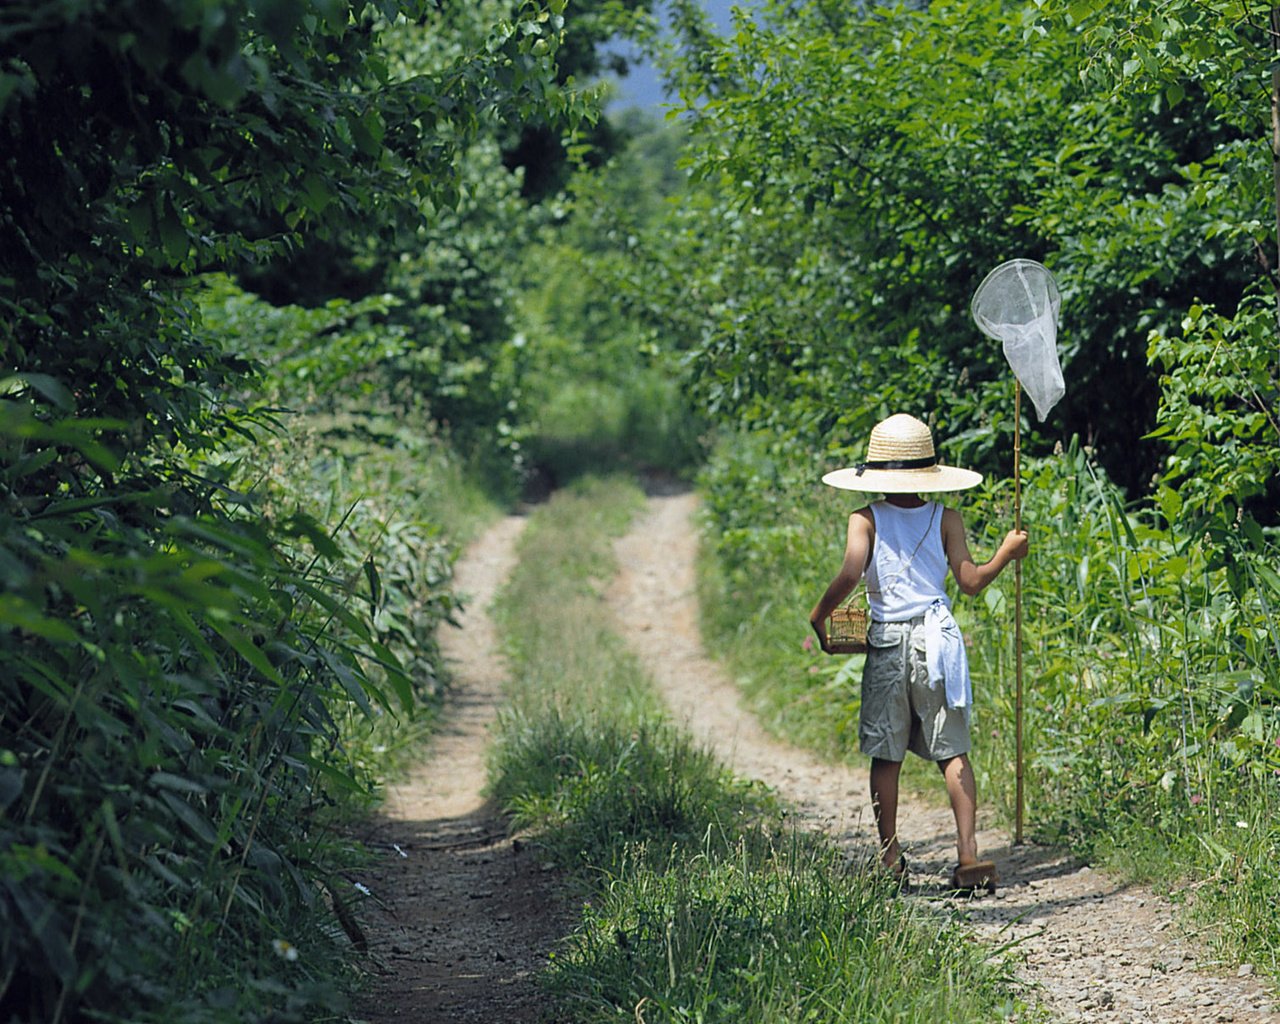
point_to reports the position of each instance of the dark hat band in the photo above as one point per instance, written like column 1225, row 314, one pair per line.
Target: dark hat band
column 897, row 464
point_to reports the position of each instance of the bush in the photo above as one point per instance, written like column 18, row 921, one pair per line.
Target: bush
column 1149, row 662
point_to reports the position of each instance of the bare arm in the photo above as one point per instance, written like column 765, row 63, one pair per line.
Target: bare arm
column 974, row 578
column 857, row 552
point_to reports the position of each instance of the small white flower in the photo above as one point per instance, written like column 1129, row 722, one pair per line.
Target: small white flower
column 285, row 950
column 362, row 889
column 1242, row 824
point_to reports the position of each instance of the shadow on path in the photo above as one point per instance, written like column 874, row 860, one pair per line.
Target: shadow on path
column 460, row 920
column 460, row 917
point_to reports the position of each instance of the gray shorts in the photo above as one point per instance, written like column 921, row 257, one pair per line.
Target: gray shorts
column 900, row 710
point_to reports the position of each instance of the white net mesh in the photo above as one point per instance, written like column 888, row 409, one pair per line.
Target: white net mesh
column 1017, row 304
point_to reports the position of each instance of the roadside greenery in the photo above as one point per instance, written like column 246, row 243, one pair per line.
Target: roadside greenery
column 853, row 174
column 600, row 389
column 699, row 903
column 1150, row 729
column 206, row 600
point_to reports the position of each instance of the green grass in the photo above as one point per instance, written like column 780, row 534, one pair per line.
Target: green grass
column 1218, row 864
column 770, row 928
column 1152, row 737
column 701, row 902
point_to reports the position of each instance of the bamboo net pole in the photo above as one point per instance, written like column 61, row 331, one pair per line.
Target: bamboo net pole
column 1017, row 611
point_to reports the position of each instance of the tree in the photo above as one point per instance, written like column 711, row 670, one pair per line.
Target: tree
column 537, row 147
column 1220, row 363
column 860, row 171
column 172, row 647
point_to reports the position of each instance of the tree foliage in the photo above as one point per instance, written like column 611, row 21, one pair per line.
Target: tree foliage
column 180, row 630
column 861, row 170
column 1219, row 375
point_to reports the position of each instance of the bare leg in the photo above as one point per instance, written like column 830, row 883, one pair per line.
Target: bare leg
column 963, row 793
column 884, row 803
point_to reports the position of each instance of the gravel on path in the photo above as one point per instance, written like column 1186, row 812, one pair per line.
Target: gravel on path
column 461, row 917
column 1093, row 948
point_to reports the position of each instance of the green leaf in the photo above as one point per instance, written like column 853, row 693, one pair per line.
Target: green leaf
column 245, row 647
column 176, row 783
column 19, row 613
column 317, row 192
column 375, row 585
column 334, row 605
column 300, row 524
column 343, row 780
column 1170, row 503
column 396, row 675
column 52, row 388
column 189, row 816
column 367, row 132
column 1269, row 577
column 47, row 924
column 173, row 235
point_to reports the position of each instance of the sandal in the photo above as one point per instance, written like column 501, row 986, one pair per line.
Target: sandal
column 899, row 874
column 967, row 879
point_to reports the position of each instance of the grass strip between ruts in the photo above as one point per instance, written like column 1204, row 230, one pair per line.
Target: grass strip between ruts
column 699, row 902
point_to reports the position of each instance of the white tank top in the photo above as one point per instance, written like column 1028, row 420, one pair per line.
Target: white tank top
column 908, row 567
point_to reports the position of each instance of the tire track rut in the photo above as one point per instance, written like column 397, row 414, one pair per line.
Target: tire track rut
column 1094, row 949
column 461, row 917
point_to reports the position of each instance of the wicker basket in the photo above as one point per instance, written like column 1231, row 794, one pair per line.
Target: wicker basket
column 847, row 630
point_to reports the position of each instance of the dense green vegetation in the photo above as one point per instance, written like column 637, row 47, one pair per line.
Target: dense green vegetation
column 699, row 903
column 257, row 262
column 854, row 174
column 293, row 295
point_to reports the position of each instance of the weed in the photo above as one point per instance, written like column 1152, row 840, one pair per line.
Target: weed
column 699, row 903
column 1150, row 676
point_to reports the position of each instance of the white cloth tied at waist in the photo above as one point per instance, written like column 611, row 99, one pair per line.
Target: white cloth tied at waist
column 945, row 655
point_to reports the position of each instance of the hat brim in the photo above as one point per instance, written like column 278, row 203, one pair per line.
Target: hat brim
column 930, row 480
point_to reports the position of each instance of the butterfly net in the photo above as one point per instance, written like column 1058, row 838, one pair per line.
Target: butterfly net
column 1017, row 304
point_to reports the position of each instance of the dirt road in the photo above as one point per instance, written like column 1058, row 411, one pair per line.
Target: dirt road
column 461, row 919
column 1095, row 950
column 465, row 920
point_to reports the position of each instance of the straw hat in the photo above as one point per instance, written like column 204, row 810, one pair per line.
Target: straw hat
column 901, row 460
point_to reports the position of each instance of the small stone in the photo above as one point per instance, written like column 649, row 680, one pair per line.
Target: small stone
column 1245, row 971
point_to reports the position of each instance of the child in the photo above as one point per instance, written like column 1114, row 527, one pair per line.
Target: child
column 916, row 692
